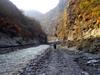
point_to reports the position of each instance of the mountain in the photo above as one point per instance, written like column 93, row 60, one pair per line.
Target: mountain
column 16, row 28
column 50, row 19
column 33, row 14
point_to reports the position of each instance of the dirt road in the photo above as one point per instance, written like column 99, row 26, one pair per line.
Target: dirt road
column 56, row 62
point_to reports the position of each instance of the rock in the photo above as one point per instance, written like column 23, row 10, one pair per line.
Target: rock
column 91, row 56
column 93, row 61
column 85, row 73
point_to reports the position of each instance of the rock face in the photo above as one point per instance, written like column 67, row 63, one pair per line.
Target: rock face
column 80, row 22
column 15, row 28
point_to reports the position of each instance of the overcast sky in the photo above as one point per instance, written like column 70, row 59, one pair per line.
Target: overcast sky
column 42, row 6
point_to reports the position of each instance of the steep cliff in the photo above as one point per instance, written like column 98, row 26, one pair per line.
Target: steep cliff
column 80, row 23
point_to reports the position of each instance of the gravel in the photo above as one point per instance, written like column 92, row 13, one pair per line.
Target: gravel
column 89, row 62
column 56, row 62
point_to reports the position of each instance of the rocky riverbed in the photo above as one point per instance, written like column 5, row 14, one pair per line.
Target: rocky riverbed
column 51, row 62
column 89, row 62
column 56, row 62
column 13, row 62
column 64, row 62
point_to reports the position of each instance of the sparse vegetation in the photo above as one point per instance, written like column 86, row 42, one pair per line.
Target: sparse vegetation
column 15, row 25
column 81, row 21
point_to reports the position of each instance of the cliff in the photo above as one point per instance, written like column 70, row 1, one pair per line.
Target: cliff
column 79, row 24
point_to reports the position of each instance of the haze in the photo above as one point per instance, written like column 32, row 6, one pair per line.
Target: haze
column 42, row 6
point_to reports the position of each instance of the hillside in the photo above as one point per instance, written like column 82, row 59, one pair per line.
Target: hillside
column 15, row 28
column 50, row 19
column 80, row 25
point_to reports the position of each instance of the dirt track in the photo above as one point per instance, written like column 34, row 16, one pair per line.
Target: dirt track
column 56, row 62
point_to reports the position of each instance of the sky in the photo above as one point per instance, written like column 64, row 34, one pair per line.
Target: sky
column 42, row 6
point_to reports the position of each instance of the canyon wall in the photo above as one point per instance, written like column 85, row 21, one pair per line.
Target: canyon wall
column 80, row 23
